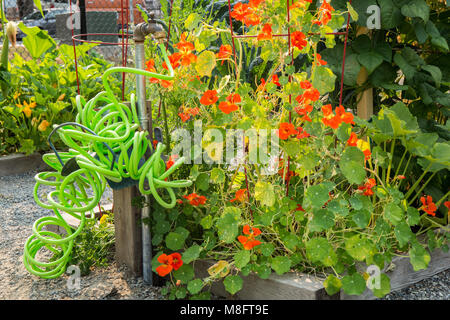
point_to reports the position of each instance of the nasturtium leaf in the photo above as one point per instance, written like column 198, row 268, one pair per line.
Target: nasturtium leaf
column 353, row 284
column 419, row 257
column 192, row 21
column 207, row 222
column 202, row 181
column 291, row 241
column 416, row 9
column 412, row 216
column 191, row 254
column 384, row 286
column 195, row 286
column 241, row 258
column 220, row 268
column 324, row 80
column 323, row 219
column 266, row 248
column 339, row 207
column 233, row 284
column 206, row 62
column 180, row 292
column 316, row 196
column 359, row 248
column 185, row 273
column 281, row 264
column 353, row 171
column 320, row 250
column 161, row 227
column 175, row 241
column 263, row 271
column 217, row 176
column 403, row 233
column 264, row 192
column 361, row 218
column 227, row 225
column 393, row 213
column 332, row 285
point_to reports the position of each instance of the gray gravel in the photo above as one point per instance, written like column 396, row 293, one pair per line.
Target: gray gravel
column 18, row 211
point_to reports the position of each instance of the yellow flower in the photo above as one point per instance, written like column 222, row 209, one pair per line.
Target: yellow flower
column 44, row 125
column 103, row 219
column 27, row 108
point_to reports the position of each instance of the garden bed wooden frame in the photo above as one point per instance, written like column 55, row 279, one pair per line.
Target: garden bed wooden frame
column 18, row 163
column 300, row 286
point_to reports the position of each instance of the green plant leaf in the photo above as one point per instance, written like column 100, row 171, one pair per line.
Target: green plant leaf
column 352, row 12
column 206, row 62
column 419, row 257
column 323, row 219
column 353, row 284
column 265, row 193
column 202, row 181
column 324, row 80
column 320, row 250
column 361, row 218
column 316, row 196
column 435, row 73
column 233, row 284
column 332, row 285
column 370, row 60
column 385, row 287
column 227, row 225
column 416, row 9
column 263, row 271
column 412, row 216
column 266, row 248
column 185, row 273
column 351, row 165
column 391, row 15
column 241, row 258
column 175, row 241
column 191, row 254
column 217, row 176
column 207, row 222
column 403, row 233
column 393, row 213
column 195, row 286
column 281, row 264
column 359, row 248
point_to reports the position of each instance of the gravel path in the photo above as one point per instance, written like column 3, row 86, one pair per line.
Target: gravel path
column 18, row 211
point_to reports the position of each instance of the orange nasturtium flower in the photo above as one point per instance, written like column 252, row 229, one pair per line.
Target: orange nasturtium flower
column 240, row 11
column 320, row 62
column 325, row 11
column 286, row 130
column 353, row 140
column 447, row 204
column 174, row 60
column 299, row 4
column 334, row 121
column 301, row 133
column 266, row 32
column 367, row 187
column 276, row 80
column 195, row 200
column 169, row 262
column 185, row 49
column 255, row 3
column 44, row 125
column 304, row 112
column 209, row 98
column 249, row 242
column 171, row 161
column 298, row 39
column 228, row 107
column 240, row 195
column 224, row 52
column 428, row 205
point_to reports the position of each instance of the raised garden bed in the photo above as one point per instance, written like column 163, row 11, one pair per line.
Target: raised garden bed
column 300, row 286
column 18, row 163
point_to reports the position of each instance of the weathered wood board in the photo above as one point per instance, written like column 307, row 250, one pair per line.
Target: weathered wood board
column 18, row 163
column 298, row 286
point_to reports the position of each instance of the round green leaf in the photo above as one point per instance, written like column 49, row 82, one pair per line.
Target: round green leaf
column 185, row 273
column 233, row 284
column 241, row 258
column 354, row 284
column 191, row 253
column 175, row 241
column 194, row 286
column 332, row 285
column 281, row 264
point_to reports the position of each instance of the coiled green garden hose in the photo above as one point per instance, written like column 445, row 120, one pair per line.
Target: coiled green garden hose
column 105, row 143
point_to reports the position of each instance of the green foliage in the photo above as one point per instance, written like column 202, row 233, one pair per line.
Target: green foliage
column 94, row 246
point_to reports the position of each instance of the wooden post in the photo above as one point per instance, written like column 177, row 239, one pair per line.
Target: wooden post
column 365, row 99
column 127, row 223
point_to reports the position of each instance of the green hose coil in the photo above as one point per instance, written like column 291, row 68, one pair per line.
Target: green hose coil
column 105, row 143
